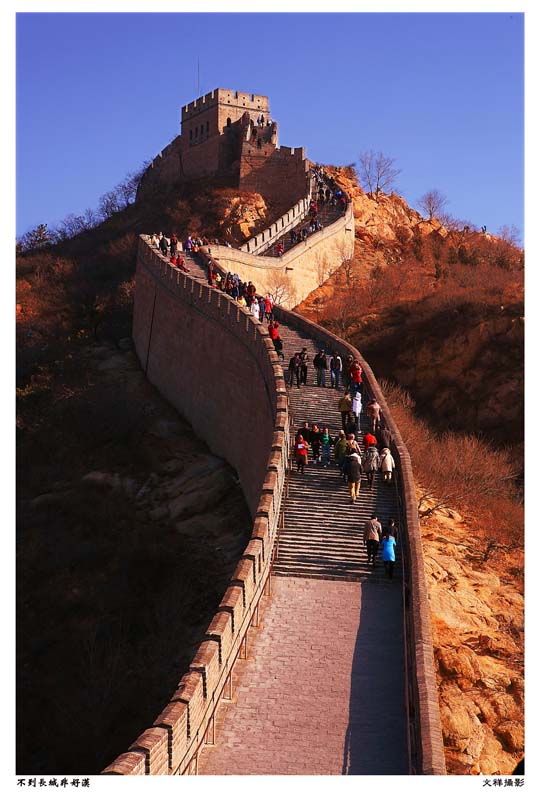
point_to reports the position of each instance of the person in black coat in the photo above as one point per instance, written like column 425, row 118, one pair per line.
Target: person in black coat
column 293, row 370
column 352, row 425
column 305, row 432
column 320, row 363
column 385, row 437
column 354, row 474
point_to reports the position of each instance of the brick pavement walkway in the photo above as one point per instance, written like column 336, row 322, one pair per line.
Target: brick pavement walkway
column 322, row 689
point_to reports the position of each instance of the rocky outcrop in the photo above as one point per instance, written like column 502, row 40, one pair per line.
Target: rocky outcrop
column 388, row 218
column 477, row 625
column 240, row 216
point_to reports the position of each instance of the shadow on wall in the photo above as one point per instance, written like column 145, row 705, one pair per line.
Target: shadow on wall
column 376, row 741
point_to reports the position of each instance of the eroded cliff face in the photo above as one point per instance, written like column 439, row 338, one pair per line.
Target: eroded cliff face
column 477, row 626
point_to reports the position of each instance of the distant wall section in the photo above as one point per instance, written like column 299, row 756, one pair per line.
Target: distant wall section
column 280, row 176
column 299, row 271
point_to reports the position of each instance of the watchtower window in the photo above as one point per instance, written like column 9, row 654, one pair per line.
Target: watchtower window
column 190, row 134
column 228, row 122
column 207, row 127
column 196, row 132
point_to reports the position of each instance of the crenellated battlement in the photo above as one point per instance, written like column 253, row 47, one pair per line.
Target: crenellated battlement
column 200, row 104
column 230, row 135
column 243, row 101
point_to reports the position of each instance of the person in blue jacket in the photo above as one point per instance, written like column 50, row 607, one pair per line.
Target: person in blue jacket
column 388, row 542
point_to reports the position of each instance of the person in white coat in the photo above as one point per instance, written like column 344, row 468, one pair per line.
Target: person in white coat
column 255, row 309
column 357, row 404
column 387, row 464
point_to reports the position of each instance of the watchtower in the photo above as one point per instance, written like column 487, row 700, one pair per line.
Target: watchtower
column 226, row 137
column 211, row 114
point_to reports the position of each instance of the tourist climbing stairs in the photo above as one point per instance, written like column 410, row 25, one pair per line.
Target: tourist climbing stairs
column 327, row 214
column 321, row 536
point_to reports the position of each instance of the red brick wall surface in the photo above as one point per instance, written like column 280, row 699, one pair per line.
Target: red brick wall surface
column 280, row 175
column 208, row 361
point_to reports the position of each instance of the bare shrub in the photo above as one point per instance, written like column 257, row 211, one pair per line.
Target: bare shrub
column 433, row 203
column 403, row 234
column 281, row 290
column 452, row 469
column 342, row 310
column 377, row 172
column 504, row 519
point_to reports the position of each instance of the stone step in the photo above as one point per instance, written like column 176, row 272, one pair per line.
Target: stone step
column 326, row 215
column 321, row 536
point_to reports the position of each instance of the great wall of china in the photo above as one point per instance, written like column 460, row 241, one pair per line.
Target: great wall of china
column 181, row 321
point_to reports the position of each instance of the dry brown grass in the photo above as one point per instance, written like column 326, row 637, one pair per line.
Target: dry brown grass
column 461, row 471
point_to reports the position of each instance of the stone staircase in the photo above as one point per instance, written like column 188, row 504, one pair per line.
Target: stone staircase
column 326, row 215
column 196, row 269
column 321, row 536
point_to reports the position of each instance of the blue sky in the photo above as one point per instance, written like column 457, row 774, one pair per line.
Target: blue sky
column 98, row 94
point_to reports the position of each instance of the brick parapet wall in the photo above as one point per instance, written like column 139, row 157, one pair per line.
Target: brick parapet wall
column 172, row 316
column 302, row 266
column 171, row 745
column 426, row 734
column 263, row 240
column 280, row 174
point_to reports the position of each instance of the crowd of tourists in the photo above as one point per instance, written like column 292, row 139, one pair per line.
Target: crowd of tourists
column 192, row 244
column 243, row 292
column 327, row 190
column 355, row 457
column 326, row 193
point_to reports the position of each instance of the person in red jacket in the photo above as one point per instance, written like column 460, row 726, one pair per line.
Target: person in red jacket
column 301, row 454
column 273, row 328
column 268, row 307
column 356, row 377
column 369, row 440
column 275, row 336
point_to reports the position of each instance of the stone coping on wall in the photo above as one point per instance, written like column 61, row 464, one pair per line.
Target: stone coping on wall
column 424, row 691
column 263, row 240
column 170, row 744
column 285, row 261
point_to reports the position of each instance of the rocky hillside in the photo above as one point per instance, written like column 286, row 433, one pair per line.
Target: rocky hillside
column 128, row 532
column 437, row 310
column 477, row 624
column 124, row 504
column 128, row 527
column 463, row 364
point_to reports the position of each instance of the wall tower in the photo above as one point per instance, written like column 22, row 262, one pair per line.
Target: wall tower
column 230, row 138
